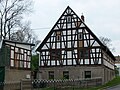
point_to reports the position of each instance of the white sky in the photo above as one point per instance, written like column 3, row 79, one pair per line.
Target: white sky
column 101, row 16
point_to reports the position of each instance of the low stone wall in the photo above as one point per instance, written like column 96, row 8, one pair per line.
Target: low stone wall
column 68, row 83
column 10, row 85
column 27, row 84
column 76, row 83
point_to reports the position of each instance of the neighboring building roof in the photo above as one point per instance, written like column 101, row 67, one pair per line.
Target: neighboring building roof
column 19, row 42
column 105, row 48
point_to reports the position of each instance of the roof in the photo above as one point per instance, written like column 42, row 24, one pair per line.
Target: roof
column 18, row 42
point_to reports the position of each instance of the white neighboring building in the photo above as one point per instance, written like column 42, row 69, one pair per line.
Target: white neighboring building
column 15, row 60
column 117, row 63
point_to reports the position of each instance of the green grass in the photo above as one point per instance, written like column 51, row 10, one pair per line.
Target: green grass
column 114, row 82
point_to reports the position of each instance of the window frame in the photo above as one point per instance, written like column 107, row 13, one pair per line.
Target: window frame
column 84, row 53
column 55, row 54
column 80, row 36
column 89, row 74
column 69, row 18
column 51, row 75
column 58, row 35
column 65, row 74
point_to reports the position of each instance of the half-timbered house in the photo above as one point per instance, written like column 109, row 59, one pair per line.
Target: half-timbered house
column 15, row 60
column 72, row 51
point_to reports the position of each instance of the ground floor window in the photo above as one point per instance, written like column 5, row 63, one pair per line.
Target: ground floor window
column 65, row 74
column 51, row 74
column 87, row 74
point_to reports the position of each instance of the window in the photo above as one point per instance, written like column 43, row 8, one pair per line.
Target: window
column 53, row 55
column 20, row 58
column 80, row 36
column 58, row 35
column 78, row 23
column 81, row 53
column 65, row 74
column 21, row 64
column 58, row 38
column 51, row 74
column 87, row 74
column 56, row 54
column 84, row 54
column 80, row 43
column 69, row 19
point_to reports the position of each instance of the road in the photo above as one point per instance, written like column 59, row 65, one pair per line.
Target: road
column 114, row 88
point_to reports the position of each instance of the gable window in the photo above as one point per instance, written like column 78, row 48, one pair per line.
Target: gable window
column 58, row 35
column 80, row 36
column 84, row 53
column 78, row 23
column 65, row 74
column 87, row 74
column 51, row 74
column 69, row 19
column 80, row 43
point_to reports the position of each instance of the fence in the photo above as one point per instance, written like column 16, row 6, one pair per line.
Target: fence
column 54, row 84
column 60, row 84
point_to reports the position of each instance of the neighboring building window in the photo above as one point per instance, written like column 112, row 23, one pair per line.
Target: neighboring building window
column 51, row 74
column 20, row 58
column 65, row 74
column 87, row 74
column 84, row 53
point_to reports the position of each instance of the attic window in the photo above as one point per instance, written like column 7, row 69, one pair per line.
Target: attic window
column 80, row 36
column 78, row 23
column 58, row 35
column 69, row 19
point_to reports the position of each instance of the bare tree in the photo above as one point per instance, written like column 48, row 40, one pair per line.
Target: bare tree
column 107, row 42
column 24, row 34
column 11, row 14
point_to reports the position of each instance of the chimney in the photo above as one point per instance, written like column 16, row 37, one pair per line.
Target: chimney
column 83, row 18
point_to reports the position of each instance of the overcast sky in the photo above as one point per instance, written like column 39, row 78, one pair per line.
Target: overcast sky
column 101, row 16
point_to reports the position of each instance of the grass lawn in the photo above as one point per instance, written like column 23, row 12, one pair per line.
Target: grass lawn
column 114, row 82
